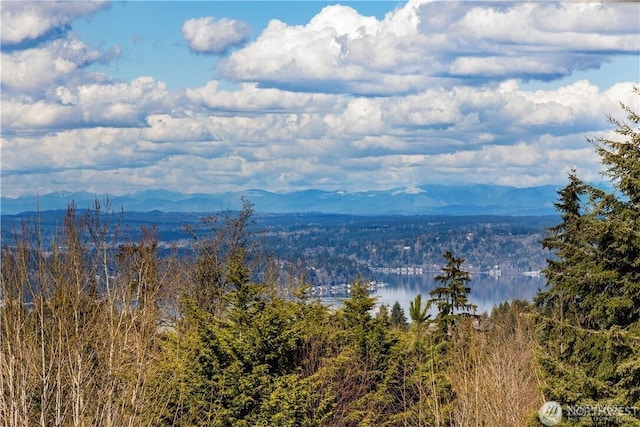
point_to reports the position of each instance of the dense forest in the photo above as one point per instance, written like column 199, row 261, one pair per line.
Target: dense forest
column 94, row 331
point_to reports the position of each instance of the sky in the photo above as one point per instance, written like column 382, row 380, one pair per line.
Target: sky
column 215, row 96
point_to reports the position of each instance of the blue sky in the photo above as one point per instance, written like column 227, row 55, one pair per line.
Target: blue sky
column 218, row 96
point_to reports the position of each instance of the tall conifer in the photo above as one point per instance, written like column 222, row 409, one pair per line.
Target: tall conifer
column 589, row 315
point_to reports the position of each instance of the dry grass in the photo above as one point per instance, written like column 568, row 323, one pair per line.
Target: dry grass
column 493, row 373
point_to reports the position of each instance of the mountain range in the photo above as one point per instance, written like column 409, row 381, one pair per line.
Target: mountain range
column 427, row 199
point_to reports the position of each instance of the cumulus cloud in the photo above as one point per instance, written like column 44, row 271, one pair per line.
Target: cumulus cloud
column 208, row 35
column 502, row 135
column 251, row 98
column 34, row 70
column 344, row 102
column 113, row 104
column 165, row 128
column 96, row 148
column 424, row 43
column 40, row 58
column 336, row 47
column 26, row 20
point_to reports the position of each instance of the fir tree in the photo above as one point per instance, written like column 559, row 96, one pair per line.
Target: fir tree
column 451, row 297
column 589, row 315
column 398, row 318
column 567, row 240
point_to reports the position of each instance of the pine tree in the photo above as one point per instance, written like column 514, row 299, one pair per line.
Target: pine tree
column 619, row 231
column 357, row 308
column 451, row 297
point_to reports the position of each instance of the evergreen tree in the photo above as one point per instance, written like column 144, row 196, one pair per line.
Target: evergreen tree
column 573, row 254
column 356, row 313
column 417, row 312
column 398, row 318
column 351, row 388
column 594, row 281
column 451, row 297
column 382, row 316
column 589, row 316
column 622, row 158
column 619, row 225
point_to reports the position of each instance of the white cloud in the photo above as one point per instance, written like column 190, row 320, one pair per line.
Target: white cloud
column 208, row 35
column 587, row 17
column 97, row 148
column 40, row 55
column 338, row 46
column 28, row 20
column 142, row 96
column 165, row 128
column 345, row 102
column 501, row 135
column 423, row 44
column 250, row 98
column 87, row 105
column 32, row 71
column 362, row 116
column 427, row 108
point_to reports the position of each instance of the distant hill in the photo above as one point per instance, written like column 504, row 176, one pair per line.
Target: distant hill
column 427, row 199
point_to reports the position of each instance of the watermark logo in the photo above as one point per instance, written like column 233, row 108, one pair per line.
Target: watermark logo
column 601, row 413
column 550, row 413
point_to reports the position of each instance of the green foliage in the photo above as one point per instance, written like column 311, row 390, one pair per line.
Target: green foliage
column 356, row 310
column 382, row 316
column 228, row 367
column 231, row 373
column 451, row 297
column 398, row 318
column 362, row 384
column 417, row 313
column 589, row 316
column 288, row 403
column 622, row 158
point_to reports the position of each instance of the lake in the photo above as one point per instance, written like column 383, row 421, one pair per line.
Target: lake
column 486, row 291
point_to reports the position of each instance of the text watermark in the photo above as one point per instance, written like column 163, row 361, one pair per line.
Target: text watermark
column 551, row 413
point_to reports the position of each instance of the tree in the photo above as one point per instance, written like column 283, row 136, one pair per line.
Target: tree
column 622, row 158
column 593, row 281
column 573, row 253
column 619, row 223
column 222, row 256
column 451, row 297
column 351, row 385
column 382, row 316
column 77, row 339
column 417, row 313
column 588, row 318
column 398, row 318
column 356, row 312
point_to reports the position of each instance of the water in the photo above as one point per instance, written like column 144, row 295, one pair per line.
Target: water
column 486, row 291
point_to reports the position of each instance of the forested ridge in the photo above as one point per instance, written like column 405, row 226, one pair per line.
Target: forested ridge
column 97, row 332
column 336, row 249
